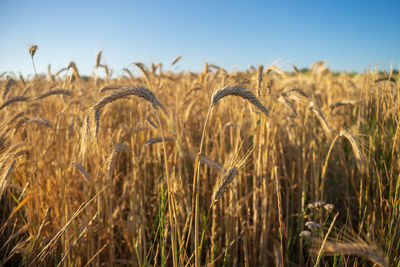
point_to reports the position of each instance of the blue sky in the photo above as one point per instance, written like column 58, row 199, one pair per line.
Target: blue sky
column 350, row 35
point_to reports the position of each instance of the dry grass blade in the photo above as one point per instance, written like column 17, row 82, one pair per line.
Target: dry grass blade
column 239, row 91
column 23, row 229
column 222, row 184
column 52, row 242
column 359, row 249
column 14, row 100
column 324, row 241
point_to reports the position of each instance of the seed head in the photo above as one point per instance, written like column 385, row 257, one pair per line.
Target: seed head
column 32, row 50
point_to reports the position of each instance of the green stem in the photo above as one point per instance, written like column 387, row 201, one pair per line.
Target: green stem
column 197, row 261
column 204, row 227
column 170, row 207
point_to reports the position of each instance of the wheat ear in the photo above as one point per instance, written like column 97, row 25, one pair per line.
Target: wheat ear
column 98, row 59
column 32, row 51
column 54, row 92
column 14, row 100
column 9, row 84
column 222, row 184
column 238, row 91
column 359, row 249
column 121, row 93
column 175, row 60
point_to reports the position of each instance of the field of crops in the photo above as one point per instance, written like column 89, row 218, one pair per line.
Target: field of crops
column 153, row 167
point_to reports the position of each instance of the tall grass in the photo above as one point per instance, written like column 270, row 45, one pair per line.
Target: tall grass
column 91, row 177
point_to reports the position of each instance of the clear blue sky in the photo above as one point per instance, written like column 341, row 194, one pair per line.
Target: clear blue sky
column 350, row 35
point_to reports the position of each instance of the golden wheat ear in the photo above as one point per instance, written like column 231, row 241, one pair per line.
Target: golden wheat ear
column 124, row 92
column 32, row 51
column 98, row 59
column 241, row 92
column 222, row 184
column 360, row 249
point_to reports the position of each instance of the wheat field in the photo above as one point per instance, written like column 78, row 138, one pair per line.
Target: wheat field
column 157, row 168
